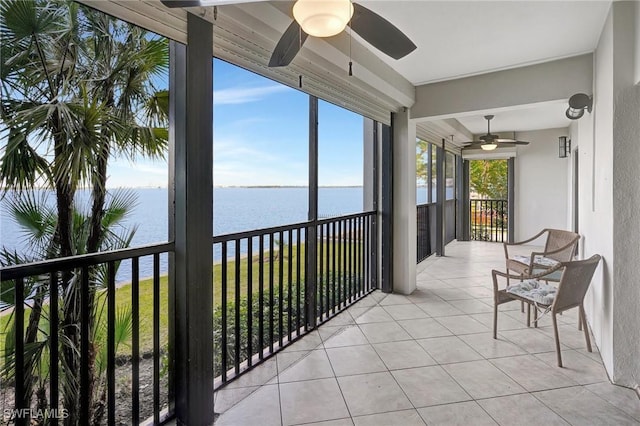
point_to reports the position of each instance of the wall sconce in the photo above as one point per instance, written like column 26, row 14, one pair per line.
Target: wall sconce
column 564, row 147
column 577, row 104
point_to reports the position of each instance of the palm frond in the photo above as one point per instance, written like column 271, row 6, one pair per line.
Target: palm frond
column 120, row 203
column 36, row 217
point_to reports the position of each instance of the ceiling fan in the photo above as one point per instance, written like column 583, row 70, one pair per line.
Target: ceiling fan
column 490, row 141
column 325, row 18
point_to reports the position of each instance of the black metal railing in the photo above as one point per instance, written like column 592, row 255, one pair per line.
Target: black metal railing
column 425, row 220
column 271, row 291
column 88, row 282
column 268, row 292
column 489, row 220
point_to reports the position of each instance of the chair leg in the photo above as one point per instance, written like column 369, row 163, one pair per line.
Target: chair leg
column 528, row 315
column 583, row 321
column 522, row 307
column 535, row 317
column 495, row 320
column 555, row 334
column 580, row 320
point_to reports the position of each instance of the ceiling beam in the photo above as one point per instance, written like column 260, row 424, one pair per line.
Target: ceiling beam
column 533, row 84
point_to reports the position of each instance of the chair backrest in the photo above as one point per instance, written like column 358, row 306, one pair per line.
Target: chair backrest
column 575, row 281
column 557, row 239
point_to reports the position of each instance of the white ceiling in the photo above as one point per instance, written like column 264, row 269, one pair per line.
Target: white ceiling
column 463, row 38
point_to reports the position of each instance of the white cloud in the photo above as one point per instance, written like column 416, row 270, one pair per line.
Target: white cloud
column 243, row 95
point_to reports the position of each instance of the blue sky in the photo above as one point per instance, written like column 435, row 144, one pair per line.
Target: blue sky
column 261, row 138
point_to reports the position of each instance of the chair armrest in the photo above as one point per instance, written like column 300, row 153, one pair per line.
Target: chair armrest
column 506, row 245
column 495, row 274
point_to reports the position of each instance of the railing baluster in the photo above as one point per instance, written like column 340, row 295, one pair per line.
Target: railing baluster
column 223, row 282
column 111, row 344
column 135, row 344
column 156, row 338
column 271, row 301
column 289, row 281
column 333, row 267
column 349, row 247
column 298, row 283
column 237, row 337
column 320, row 285
column 280, row 289
column 53, row 345
column 261, row 298
column 344, row 263
column 85, row 312
column 327, row 289
column 365, row 243
column 250, row 301
column 360, row 255
column 19, row 359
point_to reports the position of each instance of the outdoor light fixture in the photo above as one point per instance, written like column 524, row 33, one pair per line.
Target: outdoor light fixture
column 577, row 104
column 489, row 146
column 323, row 18
column 564, row 147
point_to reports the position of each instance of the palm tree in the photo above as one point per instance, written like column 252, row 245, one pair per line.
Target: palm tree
column 32, row 211
column 78, row 87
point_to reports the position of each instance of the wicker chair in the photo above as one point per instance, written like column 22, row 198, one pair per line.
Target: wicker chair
column 560, row 246
column 535, row 291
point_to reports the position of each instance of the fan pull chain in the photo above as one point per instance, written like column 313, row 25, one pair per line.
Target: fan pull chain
column 215, row 13
column 300, row 48
column 350, row 61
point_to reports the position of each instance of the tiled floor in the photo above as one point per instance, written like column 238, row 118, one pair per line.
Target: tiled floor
column 429, row 358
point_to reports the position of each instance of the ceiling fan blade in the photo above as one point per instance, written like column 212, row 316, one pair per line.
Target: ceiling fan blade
column 380, row 33
column 520, row 143
column 288, row 46
column 180, row 3
column 194, row 3
column 505, row 140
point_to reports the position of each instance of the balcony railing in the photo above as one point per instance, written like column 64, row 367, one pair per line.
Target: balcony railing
column 88, row 282
column 271, row 286
column 272, row 291
column 426, row 221
column 489, row 221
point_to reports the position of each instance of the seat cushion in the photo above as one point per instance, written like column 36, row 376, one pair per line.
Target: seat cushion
column 538, row 260
column 535, row 291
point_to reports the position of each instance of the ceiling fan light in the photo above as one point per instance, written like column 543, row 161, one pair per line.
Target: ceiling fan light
column 489, row 146
column 323, row 18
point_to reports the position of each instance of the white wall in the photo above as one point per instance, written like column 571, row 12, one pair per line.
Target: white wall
column 626, row 196
column 609, row 147
column 541, row 184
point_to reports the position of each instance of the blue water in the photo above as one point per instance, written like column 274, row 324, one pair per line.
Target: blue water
column 235, row 209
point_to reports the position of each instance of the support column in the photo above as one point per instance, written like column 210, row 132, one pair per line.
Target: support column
column 463, row 217
column 386, row 208
column 371, row 192
column 440, row 199
column 311, row 237
column 404, row 204
column 511, row 199
column 191, row 140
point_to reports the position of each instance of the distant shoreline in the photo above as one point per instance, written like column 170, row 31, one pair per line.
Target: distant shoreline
column 226, row 186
